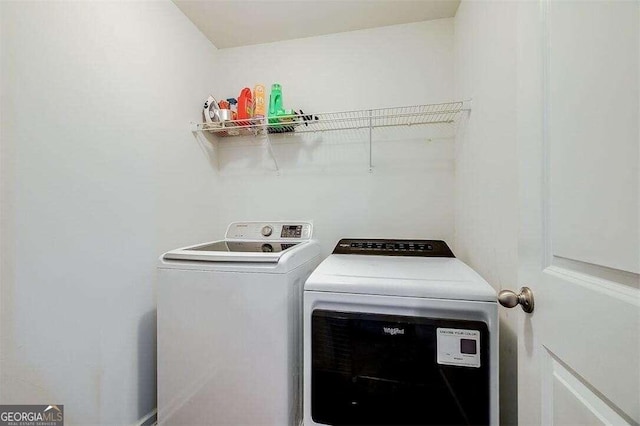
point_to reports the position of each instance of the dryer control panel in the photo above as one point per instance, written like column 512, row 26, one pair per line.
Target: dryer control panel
column 414, row 248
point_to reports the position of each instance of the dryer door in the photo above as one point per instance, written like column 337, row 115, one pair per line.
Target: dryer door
column 388, row 369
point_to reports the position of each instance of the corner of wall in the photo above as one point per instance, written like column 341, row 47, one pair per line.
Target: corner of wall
column 486, row 189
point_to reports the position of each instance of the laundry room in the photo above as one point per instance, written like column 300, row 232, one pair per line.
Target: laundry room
column 207, row 208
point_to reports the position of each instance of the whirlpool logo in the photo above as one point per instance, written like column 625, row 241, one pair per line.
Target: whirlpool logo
column 393, row 331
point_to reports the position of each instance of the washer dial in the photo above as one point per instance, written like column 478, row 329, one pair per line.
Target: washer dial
column 266, row 230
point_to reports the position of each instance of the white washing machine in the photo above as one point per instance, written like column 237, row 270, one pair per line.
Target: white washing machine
column 229, row 326
column 399, row 332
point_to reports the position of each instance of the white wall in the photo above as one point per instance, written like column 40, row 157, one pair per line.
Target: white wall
column 486, row 191
column 325, row 177
column 100, row 174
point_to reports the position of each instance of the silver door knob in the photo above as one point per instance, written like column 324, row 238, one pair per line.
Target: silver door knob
column 509, row 299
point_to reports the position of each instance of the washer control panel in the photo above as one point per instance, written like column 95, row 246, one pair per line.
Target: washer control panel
column 252, row 231
column 291, row 231
column 419, row 248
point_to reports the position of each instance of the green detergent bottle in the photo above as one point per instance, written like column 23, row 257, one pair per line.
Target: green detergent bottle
column 280, row 119
column 275, row 103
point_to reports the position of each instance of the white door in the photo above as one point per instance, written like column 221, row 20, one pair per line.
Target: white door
column 578, row 137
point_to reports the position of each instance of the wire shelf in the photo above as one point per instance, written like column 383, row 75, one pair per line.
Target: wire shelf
column 443, row 113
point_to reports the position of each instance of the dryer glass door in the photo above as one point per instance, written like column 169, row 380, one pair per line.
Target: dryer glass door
column 387, row 369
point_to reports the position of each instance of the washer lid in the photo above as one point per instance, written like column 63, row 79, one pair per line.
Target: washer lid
column 233, row 251
column 249, row 242
column 436, row 277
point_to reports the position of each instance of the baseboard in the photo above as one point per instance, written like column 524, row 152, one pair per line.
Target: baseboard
column 149, row 419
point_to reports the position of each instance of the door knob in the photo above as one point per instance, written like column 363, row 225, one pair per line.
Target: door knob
column 509, row 299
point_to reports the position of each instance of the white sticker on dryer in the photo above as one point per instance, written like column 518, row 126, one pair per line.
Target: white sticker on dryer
column 458, row 347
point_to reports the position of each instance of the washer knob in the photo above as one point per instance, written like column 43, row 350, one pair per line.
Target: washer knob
column 267, row 230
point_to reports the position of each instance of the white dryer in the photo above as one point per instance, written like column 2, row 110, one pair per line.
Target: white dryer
column 229, row 326
column 399, row 332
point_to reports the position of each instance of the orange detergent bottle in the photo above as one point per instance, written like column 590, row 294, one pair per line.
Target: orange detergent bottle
column 245, row 106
